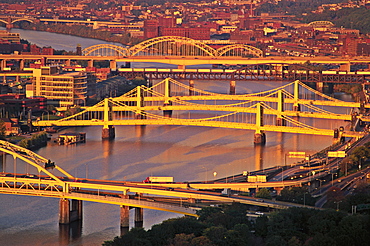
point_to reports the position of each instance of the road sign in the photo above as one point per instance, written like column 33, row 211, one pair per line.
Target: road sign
column 336, row 154
column 297, row 154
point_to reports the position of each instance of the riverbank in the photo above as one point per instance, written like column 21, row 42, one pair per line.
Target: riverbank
column 82, row 31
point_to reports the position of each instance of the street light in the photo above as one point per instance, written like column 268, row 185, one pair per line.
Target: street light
column 338, row 204
column 304, row 199
column 282, row 174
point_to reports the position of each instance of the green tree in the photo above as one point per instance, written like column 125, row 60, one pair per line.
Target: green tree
column 201, row 241
column 216, row 234
column 275, row 240
column 322, row 240
column 135, row 237
column 263, row 193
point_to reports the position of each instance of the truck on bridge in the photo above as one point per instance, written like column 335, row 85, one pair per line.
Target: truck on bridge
column 158, row 180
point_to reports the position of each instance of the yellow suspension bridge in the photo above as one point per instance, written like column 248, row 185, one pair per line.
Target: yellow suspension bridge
column 273, row 110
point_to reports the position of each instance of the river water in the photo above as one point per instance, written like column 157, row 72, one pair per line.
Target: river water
column 186, row 153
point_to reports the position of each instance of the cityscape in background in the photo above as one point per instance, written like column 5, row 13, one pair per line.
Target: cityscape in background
column 317, row 52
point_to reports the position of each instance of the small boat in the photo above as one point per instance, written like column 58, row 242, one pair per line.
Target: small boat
column 71, row 138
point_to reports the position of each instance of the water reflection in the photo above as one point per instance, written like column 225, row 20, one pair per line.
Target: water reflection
column 258, row 151
column 69, row 233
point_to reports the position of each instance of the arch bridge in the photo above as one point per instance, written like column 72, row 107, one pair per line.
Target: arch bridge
column 173, row 46
column 273, row 110
column 321, row 24
column 10, row 20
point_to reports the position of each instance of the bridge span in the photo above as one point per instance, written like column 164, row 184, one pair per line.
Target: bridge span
column 274, row 110
column 183, row 198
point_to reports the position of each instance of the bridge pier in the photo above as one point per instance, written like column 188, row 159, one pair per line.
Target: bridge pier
column 43, row 61
column 232, row 87
column 345, row 67
column 260, row 138
column 108, row 132
column 90, row 63
column 113, row 65
column 259, row 135
column 68, row 62
column 124, row 217
column 320, row 86
column 69, row 211
column 167, row 113
column 278, row 190
column 9, row 26
column 191, row 87
column 181, row 67
column 21, row 64
column 3, row 64
column 338, row 135
column 139, row 217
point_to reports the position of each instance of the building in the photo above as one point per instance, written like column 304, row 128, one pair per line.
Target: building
column 10, row 37
column 15, row 104
column 198, row 33
column 69, row 88
column 11, row 126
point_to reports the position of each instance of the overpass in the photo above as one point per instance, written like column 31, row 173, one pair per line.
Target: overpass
column 155, row 106
column 183, row 61
column 182, row 198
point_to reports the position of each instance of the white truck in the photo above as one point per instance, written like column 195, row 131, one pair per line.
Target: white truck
column 158, row 180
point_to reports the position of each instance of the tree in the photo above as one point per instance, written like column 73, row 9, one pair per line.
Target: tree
column 216, row 234
column 135, row 237
column 201, row 241
column 263, row 193
column 275, row 240
column 322, row 240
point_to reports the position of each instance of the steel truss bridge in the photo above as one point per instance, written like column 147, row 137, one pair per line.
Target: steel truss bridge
column 41, row 180
column 172, row 46
column 273, row 110
column 263, row 72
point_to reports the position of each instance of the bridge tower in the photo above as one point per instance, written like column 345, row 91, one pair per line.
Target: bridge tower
column 259, row 135
column 108, row 131
column 167, row 95
column 139, row 103
column 280, row 121
column 296, row 106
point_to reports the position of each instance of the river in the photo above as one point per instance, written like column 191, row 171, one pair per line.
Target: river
column 186, row 153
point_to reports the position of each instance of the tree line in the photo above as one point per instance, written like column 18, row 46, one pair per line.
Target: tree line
column 297, row 7
column 229, row 225
column 353, row 18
